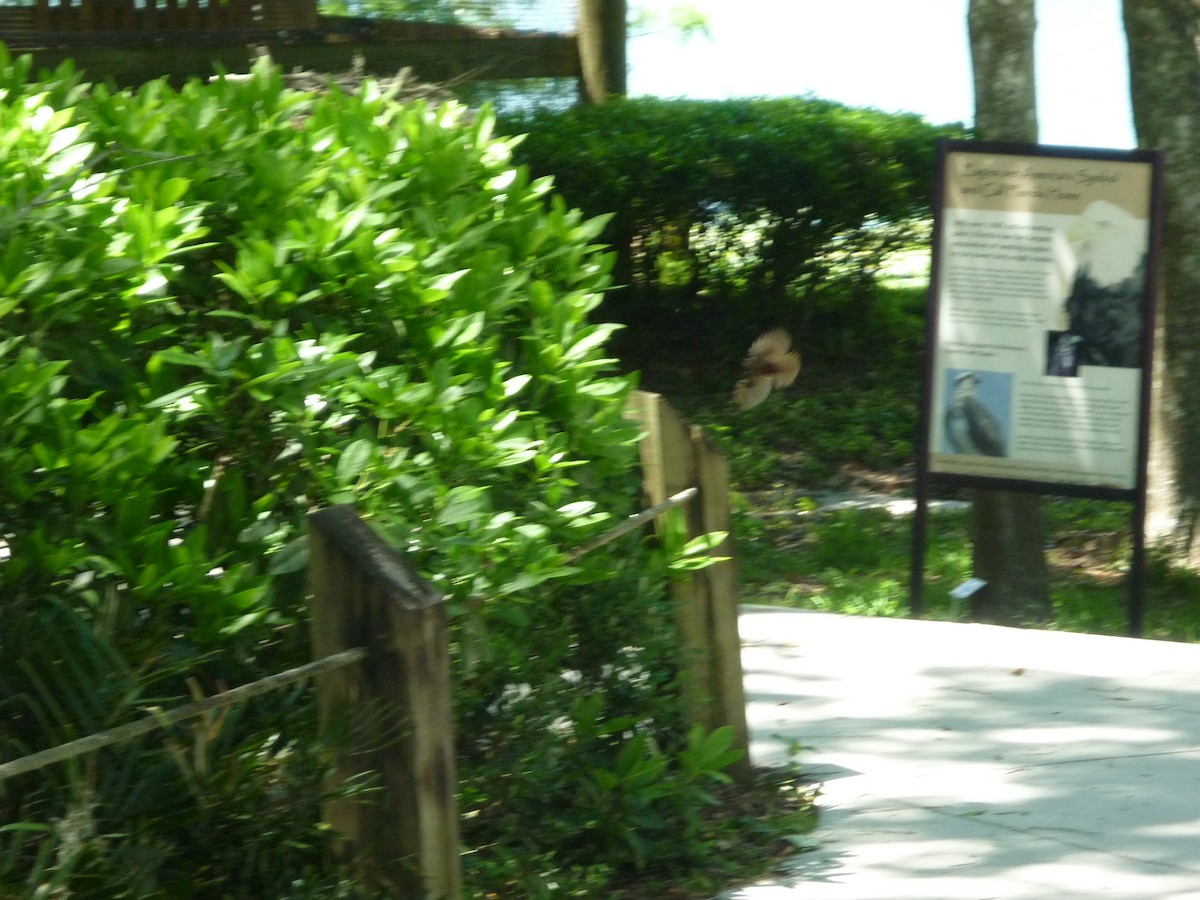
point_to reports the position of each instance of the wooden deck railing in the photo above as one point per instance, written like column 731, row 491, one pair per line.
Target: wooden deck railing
column 152, row 16
column 135, row 41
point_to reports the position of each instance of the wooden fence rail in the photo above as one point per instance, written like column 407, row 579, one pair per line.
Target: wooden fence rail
column 165, row 718
column 636, row 521
column 382, row 649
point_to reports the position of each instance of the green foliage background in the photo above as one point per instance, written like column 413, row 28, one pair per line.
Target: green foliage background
column 225, row 306
column 221, row 308
column 771, row 197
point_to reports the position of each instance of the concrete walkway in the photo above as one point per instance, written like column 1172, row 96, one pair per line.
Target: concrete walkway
column 970, row 762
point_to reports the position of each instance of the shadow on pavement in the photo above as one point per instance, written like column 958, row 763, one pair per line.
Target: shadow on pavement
column 978, row 761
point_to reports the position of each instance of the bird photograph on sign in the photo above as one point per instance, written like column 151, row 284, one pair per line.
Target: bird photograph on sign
column 1103, row 307
column 1062, row 353
column 770, row 364
column 977, row 418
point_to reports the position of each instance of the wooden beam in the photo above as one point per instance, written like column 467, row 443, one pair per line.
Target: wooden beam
column 676, row 457
column 723, row 594
column 394, row 708
column 164, row 719
column 475, row 59
column 668, row 467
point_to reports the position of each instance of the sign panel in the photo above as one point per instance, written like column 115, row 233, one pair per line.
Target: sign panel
column 1040, row 310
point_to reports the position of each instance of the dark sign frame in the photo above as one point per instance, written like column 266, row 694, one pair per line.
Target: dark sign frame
column 1025, row 239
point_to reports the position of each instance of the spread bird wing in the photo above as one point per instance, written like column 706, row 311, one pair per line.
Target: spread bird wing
column 770, row 344
column 752, row 391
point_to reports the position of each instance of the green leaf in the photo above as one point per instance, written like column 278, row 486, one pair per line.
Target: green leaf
column 464, row 504
column 704, row 543
column 514, row 385
column 594, row 338
column 354, row 459
column 707, row 755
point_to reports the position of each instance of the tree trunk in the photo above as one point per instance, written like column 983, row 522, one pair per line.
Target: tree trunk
column 1001, row 35
column 1164, row 71
column 602, row 49
column 1007, row 528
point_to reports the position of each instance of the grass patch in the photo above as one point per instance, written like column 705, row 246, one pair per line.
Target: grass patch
column 853, row 561
column 857, row 562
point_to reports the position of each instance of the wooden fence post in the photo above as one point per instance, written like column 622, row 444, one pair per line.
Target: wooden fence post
column 396, row 706
column 675, row 456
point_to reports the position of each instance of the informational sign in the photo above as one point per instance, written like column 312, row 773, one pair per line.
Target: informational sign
column 1040, row 316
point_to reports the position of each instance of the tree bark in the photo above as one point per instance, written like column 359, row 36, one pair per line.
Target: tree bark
column 1007, row 528
column 1164, row 69
column 1001, row 36
column 602, row 49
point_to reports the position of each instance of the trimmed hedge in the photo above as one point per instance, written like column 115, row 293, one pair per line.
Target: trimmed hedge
column 819, row 184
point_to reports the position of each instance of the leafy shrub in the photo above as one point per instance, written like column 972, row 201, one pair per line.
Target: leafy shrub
column 764, row 195
column 223, row 307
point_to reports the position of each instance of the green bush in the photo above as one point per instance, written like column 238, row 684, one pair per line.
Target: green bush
column 766, row 195
column 221, row 308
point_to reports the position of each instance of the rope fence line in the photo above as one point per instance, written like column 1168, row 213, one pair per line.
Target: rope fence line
column 160, row 719
column 164, row 718
column 634, row 521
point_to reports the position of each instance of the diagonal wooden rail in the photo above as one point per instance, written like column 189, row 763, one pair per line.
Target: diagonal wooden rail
column 636, row 521
column 160, row 718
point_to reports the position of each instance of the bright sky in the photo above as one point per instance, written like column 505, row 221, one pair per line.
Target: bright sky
column 895, row 55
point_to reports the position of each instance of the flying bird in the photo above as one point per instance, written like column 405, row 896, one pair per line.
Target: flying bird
column 970, row 425
column 771, row 363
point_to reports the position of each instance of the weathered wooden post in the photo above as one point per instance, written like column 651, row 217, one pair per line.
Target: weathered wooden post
column 602, row 49
column 367, row 595
column 675, row 456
